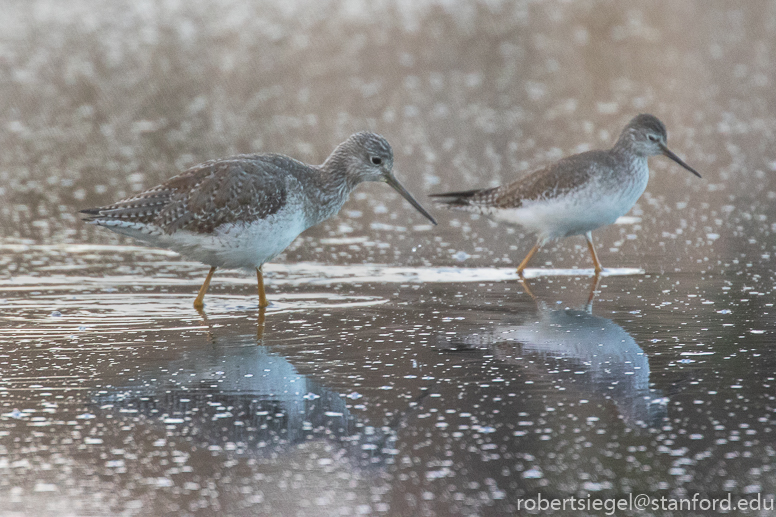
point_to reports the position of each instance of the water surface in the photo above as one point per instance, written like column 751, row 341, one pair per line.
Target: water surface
column 402, row 369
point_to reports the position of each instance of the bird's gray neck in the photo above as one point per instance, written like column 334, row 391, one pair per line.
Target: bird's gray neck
column 630, row 171
column 333, row 187
column 626, row 145
column 629, row 162
column 628, row 153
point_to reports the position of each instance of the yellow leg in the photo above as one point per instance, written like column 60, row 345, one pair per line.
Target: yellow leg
column 199, row 302
column 524, row 263
column 598, row 266
column 262, row 297
column 593, row 287
column 528, row 290
column 260, row 325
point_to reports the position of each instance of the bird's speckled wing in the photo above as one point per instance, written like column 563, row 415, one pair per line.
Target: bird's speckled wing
column 549, row 182
column 239, row 189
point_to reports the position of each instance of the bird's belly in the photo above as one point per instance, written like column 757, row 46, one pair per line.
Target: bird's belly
column 557, row 218
column 251, row 245
column 245, row 245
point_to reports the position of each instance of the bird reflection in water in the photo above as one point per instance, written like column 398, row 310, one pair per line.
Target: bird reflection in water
column 259, row 324
column 606, row 359
column 232, row 391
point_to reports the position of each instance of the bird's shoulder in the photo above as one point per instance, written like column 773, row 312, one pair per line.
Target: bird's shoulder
column 267, row 168
column 556, row 179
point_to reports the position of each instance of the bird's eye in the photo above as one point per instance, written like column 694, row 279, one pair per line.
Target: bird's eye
column 653, row 138
column 376, row 160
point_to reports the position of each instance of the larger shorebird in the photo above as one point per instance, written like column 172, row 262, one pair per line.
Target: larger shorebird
column 577, row 194
column 243, row 211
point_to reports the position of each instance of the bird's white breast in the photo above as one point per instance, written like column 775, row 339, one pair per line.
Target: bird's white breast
column 597, row 203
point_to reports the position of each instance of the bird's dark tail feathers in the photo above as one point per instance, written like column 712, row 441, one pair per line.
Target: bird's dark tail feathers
column 476, row 201
column 90, row 214
column 454, row 199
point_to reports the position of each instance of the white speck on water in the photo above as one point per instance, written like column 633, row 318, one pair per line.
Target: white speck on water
column 628, row 219
column 441, row 473
column 45, row 487
column 607, row 108
column 533, row 473
column 596, row 487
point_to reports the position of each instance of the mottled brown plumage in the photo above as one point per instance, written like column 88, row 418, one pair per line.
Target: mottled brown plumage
column 555, row 180
column 243, row 211
column 577, row 194
column 239, row 189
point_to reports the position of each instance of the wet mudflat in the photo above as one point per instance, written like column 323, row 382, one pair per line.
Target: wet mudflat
column 402, row 369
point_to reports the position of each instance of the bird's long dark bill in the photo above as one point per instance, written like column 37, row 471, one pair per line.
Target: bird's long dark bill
column 667, row 152
column 393, row 182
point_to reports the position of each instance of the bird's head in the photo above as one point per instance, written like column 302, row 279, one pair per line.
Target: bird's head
column 646, row 136
column 368, row 157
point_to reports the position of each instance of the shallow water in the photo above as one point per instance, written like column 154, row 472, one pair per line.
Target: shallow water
column 402, row 369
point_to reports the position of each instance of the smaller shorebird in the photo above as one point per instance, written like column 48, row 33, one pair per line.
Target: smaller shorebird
column 577, row 194
column 243, row 211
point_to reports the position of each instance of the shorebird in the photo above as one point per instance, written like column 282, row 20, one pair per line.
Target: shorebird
column 577, row 194
column 243, row 211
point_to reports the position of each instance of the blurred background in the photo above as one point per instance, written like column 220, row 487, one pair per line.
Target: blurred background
column 402, row 369
column 101, row 100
